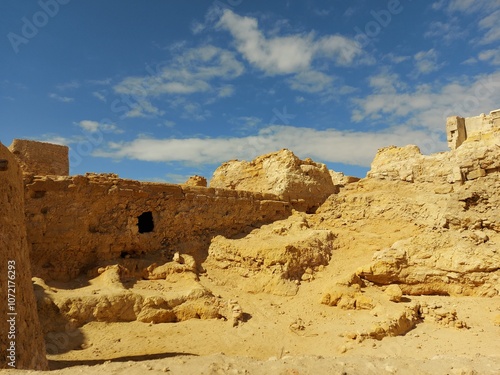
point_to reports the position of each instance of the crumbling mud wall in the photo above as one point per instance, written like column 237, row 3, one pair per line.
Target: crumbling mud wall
column 39, row 158
column 21, row 343
column 75, row 222
column 474, row 143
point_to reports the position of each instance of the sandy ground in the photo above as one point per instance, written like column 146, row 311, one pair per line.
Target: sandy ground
column 297, row 334
column 269, row 342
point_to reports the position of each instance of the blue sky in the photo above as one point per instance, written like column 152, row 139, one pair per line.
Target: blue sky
column 161, row 90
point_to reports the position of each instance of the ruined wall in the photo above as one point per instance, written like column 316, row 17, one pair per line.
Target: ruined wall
column 21, row 344
column 473, row 157
column 41, row 158
column 75, row 222
column 459, row 129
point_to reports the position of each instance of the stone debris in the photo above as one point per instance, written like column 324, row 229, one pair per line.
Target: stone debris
column 136, row 251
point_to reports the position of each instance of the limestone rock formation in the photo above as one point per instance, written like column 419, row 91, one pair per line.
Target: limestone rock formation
column 196, row 181
column 109, row 298
column 22, row 344
column 304, row 183
column 340, row 179
column 272, row 259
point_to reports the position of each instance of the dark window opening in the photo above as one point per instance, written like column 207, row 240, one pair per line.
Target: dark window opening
column 145, row 222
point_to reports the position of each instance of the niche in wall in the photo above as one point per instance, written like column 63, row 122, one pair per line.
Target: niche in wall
column 145, row 222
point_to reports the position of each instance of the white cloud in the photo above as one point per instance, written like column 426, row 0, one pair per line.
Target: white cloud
column 426, row 62
column 287, row 54
column 488, row 9
column 471, row 6
column 190, row 72
column 427, row 106
column 448, row 31
column 311, row 81
column 246, row 123
column 396, row 59
column 63, row 99
column 355, row 148
column 99, row 96
column 491, row 24
column 143, row 108
column 95, row 126
column 492, row 56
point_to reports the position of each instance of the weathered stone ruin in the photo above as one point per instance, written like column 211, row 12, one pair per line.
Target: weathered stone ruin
column 459, row 129
column 474, row 144
column 125, row 251
column 40, row 158
column 21, row 345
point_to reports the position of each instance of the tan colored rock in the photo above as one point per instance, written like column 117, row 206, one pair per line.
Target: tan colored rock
column 394, row 293
column 270, row 259
column 340, row 179
column 196, row 181
column 305, row 183
column 22, row 345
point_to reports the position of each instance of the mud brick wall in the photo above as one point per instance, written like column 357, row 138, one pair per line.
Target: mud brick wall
column 76, row 222
column 41, row 158
column 21, row 343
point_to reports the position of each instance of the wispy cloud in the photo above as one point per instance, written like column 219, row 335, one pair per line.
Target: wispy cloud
column 491, row 56
column 448, row 31
column 95, row 126
column 143, row 108
column 492, row 27
column 100, row 96
column 426, row 62
column 489, row 10
column 190, row 72
column 63, row 99
column 426, row 106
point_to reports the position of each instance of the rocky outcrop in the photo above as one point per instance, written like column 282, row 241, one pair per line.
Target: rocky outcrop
column 304, row 183
column 273, row 259
column 22, row 345
column 196, row 181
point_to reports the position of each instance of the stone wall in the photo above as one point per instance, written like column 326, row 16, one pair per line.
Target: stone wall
column 471, row 157
column 459, row 129
column 21, row 344
column 76, row 222
column 41, row 158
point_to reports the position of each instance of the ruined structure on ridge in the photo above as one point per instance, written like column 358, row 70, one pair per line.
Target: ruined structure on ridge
column 474, row 144
column 459, row 129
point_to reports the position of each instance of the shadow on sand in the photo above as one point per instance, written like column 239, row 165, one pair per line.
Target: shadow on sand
column 57, row 365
